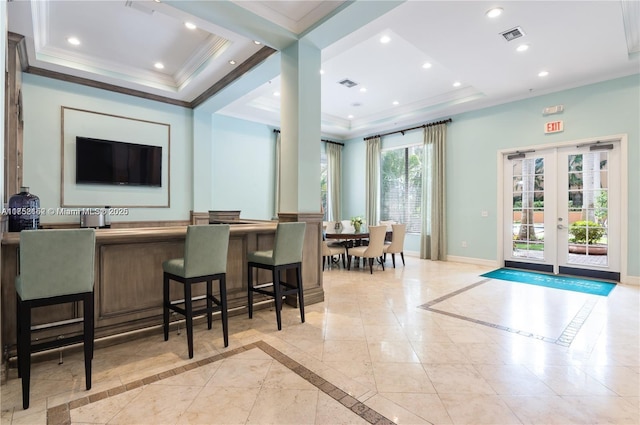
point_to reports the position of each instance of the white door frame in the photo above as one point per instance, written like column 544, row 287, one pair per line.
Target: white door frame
column 624, row 193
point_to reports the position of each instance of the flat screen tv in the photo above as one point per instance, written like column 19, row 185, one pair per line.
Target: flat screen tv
column 119, row 163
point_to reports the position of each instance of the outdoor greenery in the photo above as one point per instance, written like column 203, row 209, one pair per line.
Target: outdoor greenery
column 532, row 181
column 401, row 191
column 602, row 206
column 587, row 232
column 585, row 196
column 529, row 247
column 538, row 205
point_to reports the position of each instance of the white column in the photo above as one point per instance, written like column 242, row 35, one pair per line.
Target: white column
column 300, row 128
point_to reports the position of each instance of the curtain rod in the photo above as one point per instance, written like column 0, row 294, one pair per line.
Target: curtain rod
column 448, row 120
column 275, row 130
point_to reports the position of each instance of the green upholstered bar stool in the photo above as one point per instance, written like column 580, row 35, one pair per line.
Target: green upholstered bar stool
column 205, row 260
column 286, row 254
column 56, row 267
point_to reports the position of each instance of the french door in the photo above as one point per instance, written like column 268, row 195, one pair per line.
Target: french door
column 562, row 210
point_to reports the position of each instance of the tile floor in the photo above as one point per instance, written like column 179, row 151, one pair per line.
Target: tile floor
column 428, row 343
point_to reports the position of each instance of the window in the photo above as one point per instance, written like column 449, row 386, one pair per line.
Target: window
column 323, row 184
column 401, row 186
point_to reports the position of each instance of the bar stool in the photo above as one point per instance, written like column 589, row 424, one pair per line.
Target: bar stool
column 205, row 260
column 56, row 267
column 286, row 254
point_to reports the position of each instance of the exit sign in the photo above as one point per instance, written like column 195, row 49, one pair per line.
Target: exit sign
column 554, row 127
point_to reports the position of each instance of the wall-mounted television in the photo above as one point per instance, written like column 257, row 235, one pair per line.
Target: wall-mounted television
column 101, row 161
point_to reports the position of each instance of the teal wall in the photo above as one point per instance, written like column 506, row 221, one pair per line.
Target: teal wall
column 474, row 138
column 242, row 167
column 43, row 99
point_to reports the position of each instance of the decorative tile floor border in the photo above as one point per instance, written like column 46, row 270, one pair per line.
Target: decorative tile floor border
column 61, row 415
column 565, row 339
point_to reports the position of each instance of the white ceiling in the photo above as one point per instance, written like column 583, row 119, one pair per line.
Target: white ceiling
column 577, row 42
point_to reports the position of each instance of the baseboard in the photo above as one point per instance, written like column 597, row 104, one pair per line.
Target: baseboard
column 470, row 260
column 458, row 259
column 630, row 280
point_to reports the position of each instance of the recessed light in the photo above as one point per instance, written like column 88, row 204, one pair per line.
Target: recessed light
column 494, row 13
column 350, row 117
column 426, row 65
column 395, row 103
column 385, row 39
column 232, row 62
column 190, row 25
column 363, row 89
column 276, row 93
column 256, row 42
column 522, row 48
column 73, row 40
column 543, row 73
column 457, row 84
column 158, row 65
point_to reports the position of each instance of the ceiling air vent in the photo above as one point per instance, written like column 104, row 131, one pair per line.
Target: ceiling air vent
column 139, row 6
column 512, row 34
column 348, row 83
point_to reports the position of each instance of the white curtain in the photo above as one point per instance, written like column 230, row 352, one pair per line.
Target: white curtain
column 276, row 192
column 433, row 240
column 334, row 180
column 373, row 181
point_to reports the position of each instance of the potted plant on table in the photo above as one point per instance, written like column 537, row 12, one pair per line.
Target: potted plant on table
column 357, row 223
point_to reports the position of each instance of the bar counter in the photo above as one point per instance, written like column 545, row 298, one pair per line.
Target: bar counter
column 128, row 280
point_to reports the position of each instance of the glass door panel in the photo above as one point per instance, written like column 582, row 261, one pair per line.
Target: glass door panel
column 527, row 208
column 587, row 241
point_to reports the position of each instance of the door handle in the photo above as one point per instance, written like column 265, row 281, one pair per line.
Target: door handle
column 560, row 226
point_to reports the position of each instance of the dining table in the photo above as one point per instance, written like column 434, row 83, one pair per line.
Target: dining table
column 350, row 237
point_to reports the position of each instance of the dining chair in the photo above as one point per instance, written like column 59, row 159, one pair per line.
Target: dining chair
column 285, row 255
column 205, row 260
column 56, row 267
column 397, row 243
column 387, row 223
column 347, row 227
column 373, row 251
column 330, row 250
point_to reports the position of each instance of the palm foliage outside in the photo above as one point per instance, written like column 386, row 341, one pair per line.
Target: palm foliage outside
column 401, row 186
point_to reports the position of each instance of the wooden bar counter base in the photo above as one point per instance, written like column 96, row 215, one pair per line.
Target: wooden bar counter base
column 128, row 283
